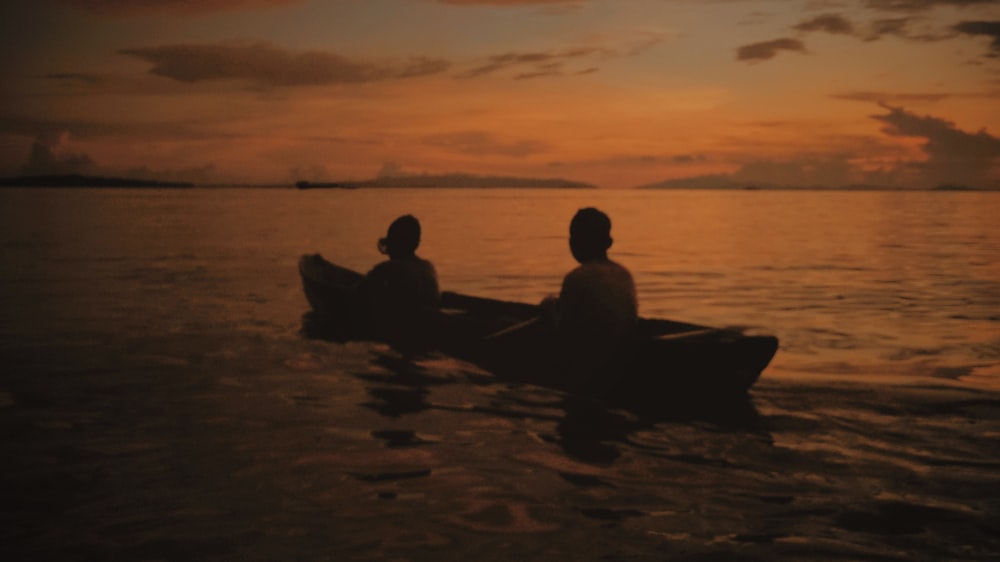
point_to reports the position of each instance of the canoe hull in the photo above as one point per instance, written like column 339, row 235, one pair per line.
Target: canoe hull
column 670, row 360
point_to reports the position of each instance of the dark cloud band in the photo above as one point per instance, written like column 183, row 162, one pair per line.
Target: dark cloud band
column 539, row 63
column 921, row 5
column 768, row 49
column 952, row 154
column 269, row 65
column 988, row 28
column 506, row 2
column 830, row 23
column 177, row 7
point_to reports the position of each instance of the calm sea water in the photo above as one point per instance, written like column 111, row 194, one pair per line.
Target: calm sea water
column 157, row 402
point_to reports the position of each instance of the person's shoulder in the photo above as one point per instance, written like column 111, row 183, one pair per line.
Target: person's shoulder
column 623, row 274
column 619, row 267
column 418, row 263
column 380, row 267
column 579, row 272
column 601, row 267
column 588, row 274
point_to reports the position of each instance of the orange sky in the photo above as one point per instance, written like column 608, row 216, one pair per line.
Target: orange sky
column 618, row 93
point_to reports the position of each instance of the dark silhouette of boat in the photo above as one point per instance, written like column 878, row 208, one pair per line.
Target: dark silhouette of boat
column 669, row 361
column 324, row 185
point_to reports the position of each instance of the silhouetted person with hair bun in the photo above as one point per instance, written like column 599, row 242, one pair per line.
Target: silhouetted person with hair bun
column 596, row 314
column 402, row 292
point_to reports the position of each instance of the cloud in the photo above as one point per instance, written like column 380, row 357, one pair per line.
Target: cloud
column 481, row 143
column 922, row 30
column 953, row 155
column 914, row 26
column 123, row 130
column 830, row 23
column 898, row 27
column 988, row 28
column 390, row 170
column 50, row 155
column 921, row 5
column 768, row 49
column 902, row 97
column 687, row 158
column 266, row 64
column 205, row 173
column 902, row 27
column 657, row 159
column 74, row 77
column 173, row 7
column 311, row 171
column 927, row 28
column 507, row 2
column 557, row 62
column 52, row 130
column 830, row 170
column 538, row 63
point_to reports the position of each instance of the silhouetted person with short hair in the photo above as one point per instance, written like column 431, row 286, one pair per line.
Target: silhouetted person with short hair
column 596, row 314
column 402, row 293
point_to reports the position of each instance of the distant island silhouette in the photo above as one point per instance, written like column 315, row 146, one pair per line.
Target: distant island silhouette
column 955, row 187
column 450, row 180
column 456, row 180
column 78, row 180
column 723, row 182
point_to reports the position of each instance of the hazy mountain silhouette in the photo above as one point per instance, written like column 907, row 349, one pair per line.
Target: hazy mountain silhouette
column 78, row 180
column 450, row 180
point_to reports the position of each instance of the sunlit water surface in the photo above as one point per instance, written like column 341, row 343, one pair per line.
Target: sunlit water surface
column 157, row 401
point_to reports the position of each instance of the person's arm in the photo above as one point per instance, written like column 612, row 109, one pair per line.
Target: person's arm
column 433, row 282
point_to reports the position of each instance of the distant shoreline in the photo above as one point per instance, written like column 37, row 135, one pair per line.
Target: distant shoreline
column 449, row 181
column 872, row 189
column 77, row 180
column 733, row 186
column 445, row 181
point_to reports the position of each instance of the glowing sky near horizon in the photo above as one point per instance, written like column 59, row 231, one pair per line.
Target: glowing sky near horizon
column 617, row 93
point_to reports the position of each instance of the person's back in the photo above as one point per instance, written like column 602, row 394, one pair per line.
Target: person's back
column 402, row 293
column 597, row 311
column 406, row 285
column 597, row 303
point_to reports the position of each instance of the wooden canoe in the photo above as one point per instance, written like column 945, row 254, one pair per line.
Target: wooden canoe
column 669, row 360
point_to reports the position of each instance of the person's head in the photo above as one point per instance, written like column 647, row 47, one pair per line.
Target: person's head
column 589, row 235
column 402, row 239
